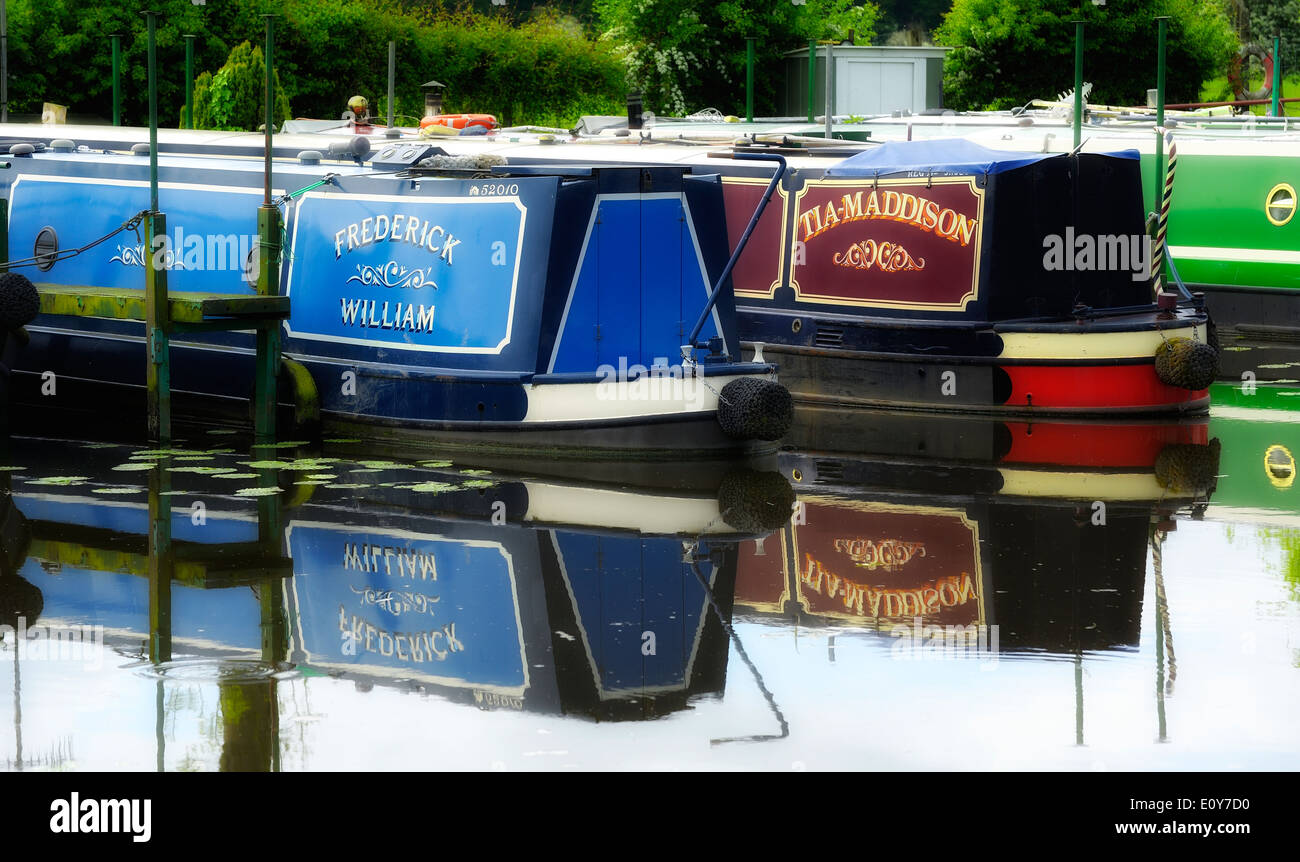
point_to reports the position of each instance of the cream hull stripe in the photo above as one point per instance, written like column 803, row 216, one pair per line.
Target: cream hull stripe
column 1237, row 255
column 1091, row 345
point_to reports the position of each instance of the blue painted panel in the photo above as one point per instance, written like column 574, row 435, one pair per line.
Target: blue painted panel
column 624, row 587
column 696, row 285
column 577, row 351
column 432, row 274
column 618, row 238
column 661, row 280
column 135, row 518
column 439, row 609
column 210, row 232
column 223, row 618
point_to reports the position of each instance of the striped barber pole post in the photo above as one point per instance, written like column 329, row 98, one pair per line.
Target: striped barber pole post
column 1162, row 228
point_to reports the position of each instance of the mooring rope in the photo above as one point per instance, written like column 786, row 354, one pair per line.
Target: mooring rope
column 53, row 257
column 1162, row 607
column 1162, row 228
column 744, row 657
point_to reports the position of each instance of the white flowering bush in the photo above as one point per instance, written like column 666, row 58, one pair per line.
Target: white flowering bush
column 683, row 55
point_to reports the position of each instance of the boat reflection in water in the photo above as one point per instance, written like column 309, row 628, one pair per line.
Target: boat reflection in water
column 974, row 535
column 603, row 601
column 591, row 597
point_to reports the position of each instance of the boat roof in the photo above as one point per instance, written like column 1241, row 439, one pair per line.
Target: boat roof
column 954, row 156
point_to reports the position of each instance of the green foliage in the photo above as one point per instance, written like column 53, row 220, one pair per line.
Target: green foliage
column 234, row 98
column 684, row 56
column 60, row 51
column 1007, row 52
column 540, row 69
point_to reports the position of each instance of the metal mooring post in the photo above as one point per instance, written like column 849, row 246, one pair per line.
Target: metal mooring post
column 1078, row 83
column 812, row 79
column 1158, row 180
column 158, row 373
column 1277, row 76
column 830, row 93
column 117, row 78
column 391, row 131
column 189, row 80
column 268, row 268
column 749, row 79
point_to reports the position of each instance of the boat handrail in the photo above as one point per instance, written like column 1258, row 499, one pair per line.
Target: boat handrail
column 692, row 344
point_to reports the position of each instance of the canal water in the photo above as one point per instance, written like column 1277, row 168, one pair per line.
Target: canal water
column 898, row 592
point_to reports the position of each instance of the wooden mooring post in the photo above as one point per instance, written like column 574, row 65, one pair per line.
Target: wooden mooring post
column 166, row 315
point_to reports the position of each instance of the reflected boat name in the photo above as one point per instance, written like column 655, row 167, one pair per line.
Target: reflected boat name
column 888, row 554
column 947, row 592
column 488, row 699
column 373, row 558
column 419, row 646
column 396, row 603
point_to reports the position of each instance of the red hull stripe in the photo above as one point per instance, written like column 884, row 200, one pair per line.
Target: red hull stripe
column 1098, row 445
column 1097, row 387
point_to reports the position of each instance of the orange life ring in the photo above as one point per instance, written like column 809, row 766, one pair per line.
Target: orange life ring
column 460, row 121
column 1237, row 72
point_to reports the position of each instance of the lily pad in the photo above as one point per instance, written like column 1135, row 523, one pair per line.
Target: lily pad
column 58, row 480
column 476, row 472
column 136, row 465
column 234, row 475
column 267, row 465
column 346, row 486
column 11, row 469
column 432, row 487
column 116, row 490
column 435, row 463
column 478, row 483
column 258, row 492
column 203, row 471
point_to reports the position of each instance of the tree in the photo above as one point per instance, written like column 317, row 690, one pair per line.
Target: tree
column 1007, row 52
column 234, row 99
column 683, row 55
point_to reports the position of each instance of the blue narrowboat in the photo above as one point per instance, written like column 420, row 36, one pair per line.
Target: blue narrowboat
column 547, row 307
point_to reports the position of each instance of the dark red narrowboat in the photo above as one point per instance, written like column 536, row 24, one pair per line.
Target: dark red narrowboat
column 944, row 275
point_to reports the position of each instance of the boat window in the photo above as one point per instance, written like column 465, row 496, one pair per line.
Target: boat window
column 1280, row 204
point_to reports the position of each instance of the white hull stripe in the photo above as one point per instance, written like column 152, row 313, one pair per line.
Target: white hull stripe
column 1091, row 345
column 1237, row 255
column 646, row 397
column 645, row 513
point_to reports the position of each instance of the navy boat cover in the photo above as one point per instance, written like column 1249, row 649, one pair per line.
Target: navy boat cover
column 940, row 157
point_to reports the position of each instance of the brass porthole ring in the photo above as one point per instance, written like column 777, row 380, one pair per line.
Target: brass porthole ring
column 1280, row 204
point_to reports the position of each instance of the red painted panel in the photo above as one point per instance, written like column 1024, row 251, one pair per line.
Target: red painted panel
column 896, row 244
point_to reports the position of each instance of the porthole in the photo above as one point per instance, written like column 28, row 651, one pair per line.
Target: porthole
column 1279, row 464
column 1280, row 204
column 46, row 249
